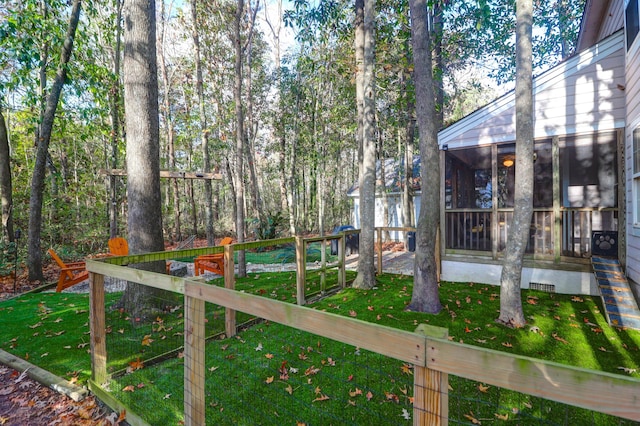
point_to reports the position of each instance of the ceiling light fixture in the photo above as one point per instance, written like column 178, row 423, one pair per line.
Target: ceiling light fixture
column 508, row 162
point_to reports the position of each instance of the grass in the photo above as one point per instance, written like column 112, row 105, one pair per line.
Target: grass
column 279, row 374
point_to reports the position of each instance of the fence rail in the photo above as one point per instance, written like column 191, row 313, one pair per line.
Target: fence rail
column 433, row 356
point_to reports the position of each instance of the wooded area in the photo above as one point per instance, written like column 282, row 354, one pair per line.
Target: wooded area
column 268, row 102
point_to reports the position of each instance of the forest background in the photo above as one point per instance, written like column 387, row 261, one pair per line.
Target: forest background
column 297, row 106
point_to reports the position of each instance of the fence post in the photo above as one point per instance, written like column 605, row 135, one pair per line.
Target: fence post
column 379, row 249
column 194, row 338
column 230, row 283
column 323, row 266
column 430, row 387
column 342, row 267
column 98, row 329
column 301, row 264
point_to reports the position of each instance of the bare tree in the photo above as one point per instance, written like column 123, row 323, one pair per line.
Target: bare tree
column 143, row 148
column 239, row 175
column 6, row 190
column 511, row 313
column 204, row 127
column 114, row 112
column 42, row 152
column 366, row 268
column 168, row 122
column 425, row 296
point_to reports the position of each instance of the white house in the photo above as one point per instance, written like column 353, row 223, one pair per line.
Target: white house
column 587, row 166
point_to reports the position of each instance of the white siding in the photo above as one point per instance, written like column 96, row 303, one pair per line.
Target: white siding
column 583, row 94
column 633, row 121
column 614, row 19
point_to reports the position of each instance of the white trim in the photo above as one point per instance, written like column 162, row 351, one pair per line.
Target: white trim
column 560, row 72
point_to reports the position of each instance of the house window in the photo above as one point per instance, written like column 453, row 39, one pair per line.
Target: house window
column 636, row 178
column 632, row 21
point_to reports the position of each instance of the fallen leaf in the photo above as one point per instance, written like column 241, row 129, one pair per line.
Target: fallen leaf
column 406, row 369
column 603, row 349
column 369, row 396
column 577, row 299
column 321, row 398
column 627, row 370
column 268, row 356
column 259, row 347
column 353, row 313
column 147, row 340
column 392, row 397
column 472, row 419
column 405, row 414
column 370, row 308
column 269, row 380
column 507, row 345
column 311, row 371
column 289, row 389
column 558, row 338
column 167, row 396
column 482, row 388
column 129, row 388
column 503, row 417
column 135, row 365
column 355, row 393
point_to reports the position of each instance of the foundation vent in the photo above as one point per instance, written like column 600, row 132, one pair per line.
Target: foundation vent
column 548, row 288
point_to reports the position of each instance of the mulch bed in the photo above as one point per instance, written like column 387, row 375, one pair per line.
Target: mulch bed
column 26, row 402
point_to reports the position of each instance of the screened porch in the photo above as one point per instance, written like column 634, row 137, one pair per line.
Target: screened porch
column 575, row 194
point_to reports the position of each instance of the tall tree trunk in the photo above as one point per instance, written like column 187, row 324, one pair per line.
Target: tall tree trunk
column 204, row 127
column 293, row 165
column 275, row 27
column 114, row 108
column 6, row 189
column 511, row 313
column 250, row 140
column 237, row 95
column 359, row 56
column 425, row 296
column 438, row 57
column 42, row 151
column 366, row 277
column 168, row 120
column 143, row 150
column 406, row 152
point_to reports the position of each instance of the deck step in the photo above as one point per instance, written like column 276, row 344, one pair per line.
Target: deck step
column 620, row 305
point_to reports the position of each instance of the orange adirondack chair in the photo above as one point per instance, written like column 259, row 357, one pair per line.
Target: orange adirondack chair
column 211, row 262
column 70, row 273
column 118, row 246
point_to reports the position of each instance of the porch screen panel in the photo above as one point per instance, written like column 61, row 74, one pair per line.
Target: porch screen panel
column 588, row 171
column 468, row 198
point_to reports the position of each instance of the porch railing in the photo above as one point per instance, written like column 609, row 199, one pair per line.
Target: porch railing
column 565, row 233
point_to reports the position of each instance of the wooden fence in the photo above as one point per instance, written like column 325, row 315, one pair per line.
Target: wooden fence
column 433, row 356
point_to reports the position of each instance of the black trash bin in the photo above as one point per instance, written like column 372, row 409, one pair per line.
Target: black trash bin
column 411, row 241
column 352, row 241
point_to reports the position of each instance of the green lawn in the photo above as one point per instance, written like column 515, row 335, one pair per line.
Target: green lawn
column 279, row 375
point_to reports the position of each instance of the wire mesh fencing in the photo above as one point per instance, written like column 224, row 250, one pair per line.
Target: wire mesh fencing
column 279, row 363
